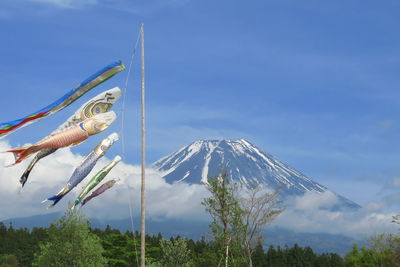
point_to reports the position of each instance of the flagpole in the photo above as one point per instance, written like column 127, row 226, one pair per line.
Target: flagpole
column 142, row 195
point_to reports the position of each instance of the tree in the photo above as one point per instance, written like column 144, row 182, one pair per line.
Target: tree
column 239, row 216
column 384, row 250
column 175, row 253
column 362, row 257
column 70, row 243
column 259, row 258
column 8, row 260
column 387, row 247
column 226, row 226
column 116, row 249
column 260, row 208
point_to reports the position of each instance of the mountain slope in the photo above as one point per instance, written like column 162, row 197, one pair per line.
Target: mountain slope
column 243, row 162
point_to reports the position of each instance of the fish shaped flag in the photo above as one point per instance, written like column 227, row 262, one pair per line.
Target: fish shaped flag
column 69, row 137
column 101, row 103
column 96, row 180
column 104, row 74
column 98, row 104
column 85, row 167
column 107, row 185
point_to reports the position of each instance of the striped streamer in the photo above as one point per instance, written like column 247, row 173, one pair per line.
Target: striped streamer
column 94, row 80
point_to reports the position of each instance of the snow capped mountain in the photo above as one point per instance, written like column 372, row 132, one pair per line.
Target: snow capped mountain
column 242, row 161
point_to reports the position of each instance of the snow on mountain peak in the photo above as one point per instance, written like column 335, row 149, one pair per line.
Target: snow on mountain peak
column 242, row 161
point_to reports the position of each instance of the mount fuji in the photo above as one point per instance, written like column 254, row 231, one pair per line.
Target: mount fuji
column 243, row 163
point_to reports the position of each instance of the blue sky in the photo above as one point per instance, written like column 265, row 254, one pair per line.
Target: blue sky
column 314, row 84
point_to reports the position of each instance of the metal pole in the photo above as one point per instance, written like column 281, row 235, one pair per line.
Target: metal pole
column 142, row 196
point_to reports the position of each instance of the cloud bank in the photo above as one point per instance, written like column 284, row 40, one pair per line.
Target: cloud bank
column 51, row 173
column 308, row 213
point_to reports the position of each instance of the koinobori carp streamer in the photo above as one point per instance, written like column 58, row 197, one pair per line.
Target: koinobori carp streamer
column 101, row 103
column 104, row 187
column 69, row 137
column 96, row 179
column 85, row 167
column 102, row 75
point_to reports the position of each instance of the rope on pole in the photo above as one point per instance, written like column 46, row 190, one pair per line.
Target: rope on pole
column 121, row 132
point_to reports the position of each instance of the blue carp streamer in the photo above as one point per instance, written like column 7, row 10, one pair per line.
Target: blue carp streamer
column 102, row 75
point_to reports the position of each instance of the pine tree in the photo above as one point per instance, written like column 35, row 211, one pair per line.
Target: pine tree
column 259, row 257
column 175, row 253
column 9, row 260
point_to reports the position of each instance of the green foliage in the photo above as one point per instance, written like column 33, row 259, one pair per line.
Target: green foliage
column 8, row 260
column 384, row 251
column 21, row 243
column 259, row 256
column 296, row 257
column 238, row 216
column 226, row 227
column 362, row 257
column 388, row 247
column 175, row 253
column 122, row 249
column 116, row 249
column 70, row 243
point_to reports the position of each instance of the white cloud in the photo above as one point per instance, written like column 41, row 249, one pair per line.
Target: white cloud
column 136, row 7
column 163, row 200
column 66, row 3
column 309, row 213
column 142, row 7
column 45, row 179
